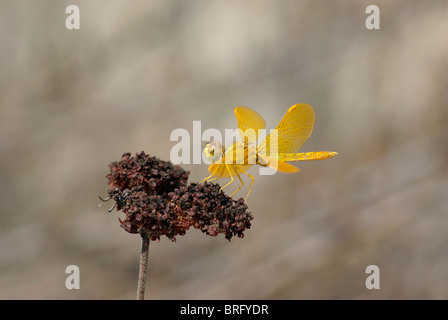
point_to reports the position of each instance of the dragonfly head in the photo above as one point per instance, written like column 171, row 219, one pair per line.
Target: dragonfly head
column 213, row 151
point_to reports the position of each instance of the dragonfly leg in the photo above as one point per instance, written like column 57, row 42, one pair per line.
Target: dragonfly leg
column 252, row 183
column 207, row 179
column 241, row 181
column 231, row 179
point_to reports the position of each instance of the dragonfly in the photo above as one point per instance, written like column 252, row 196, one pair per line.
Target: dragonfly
column 279, row 147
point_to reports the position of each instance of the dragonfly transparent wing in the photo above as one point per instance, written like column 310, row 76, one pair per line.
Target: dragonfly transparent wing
column 292, row 132
column 248, row 119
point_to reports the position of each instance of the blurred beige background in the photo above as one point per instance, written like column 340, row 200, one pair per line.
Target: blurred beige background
column 72, row 101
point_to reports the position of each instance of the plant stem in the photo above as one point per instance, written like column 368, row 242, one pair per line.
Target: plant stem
column 143, row 266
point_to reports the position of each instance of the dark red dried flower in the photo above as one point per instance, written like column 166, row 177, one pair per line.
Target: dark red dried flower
column 156, row 199
column 147, row 173
column 212, row 211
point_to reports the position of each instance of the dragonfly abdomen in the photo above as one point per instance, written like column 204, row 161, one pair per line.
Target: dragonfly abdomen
column 306, row 156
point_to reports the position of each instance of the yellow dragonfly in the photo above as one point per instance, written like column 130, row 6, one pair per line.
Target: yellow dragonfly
column 280, row 146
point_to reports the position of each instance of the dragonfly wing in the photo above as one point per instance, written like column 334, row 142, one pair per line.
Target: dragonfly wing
column 220, row 170
column 292, row 131
column 279, row 165
column 284, row 167
column 249, row 119
column 216, row 169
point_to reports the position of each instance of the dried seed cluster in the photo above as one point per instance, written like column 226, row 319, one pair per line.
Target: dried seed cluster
column 156, row 199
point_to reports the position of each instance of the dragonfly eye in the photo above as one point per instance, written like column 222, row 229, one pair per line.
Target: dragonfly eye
column 213, row 151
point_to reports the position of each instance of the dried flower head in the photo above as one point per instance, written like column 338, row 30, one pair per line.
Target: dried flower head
column 146, row 173
column 156, row 199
